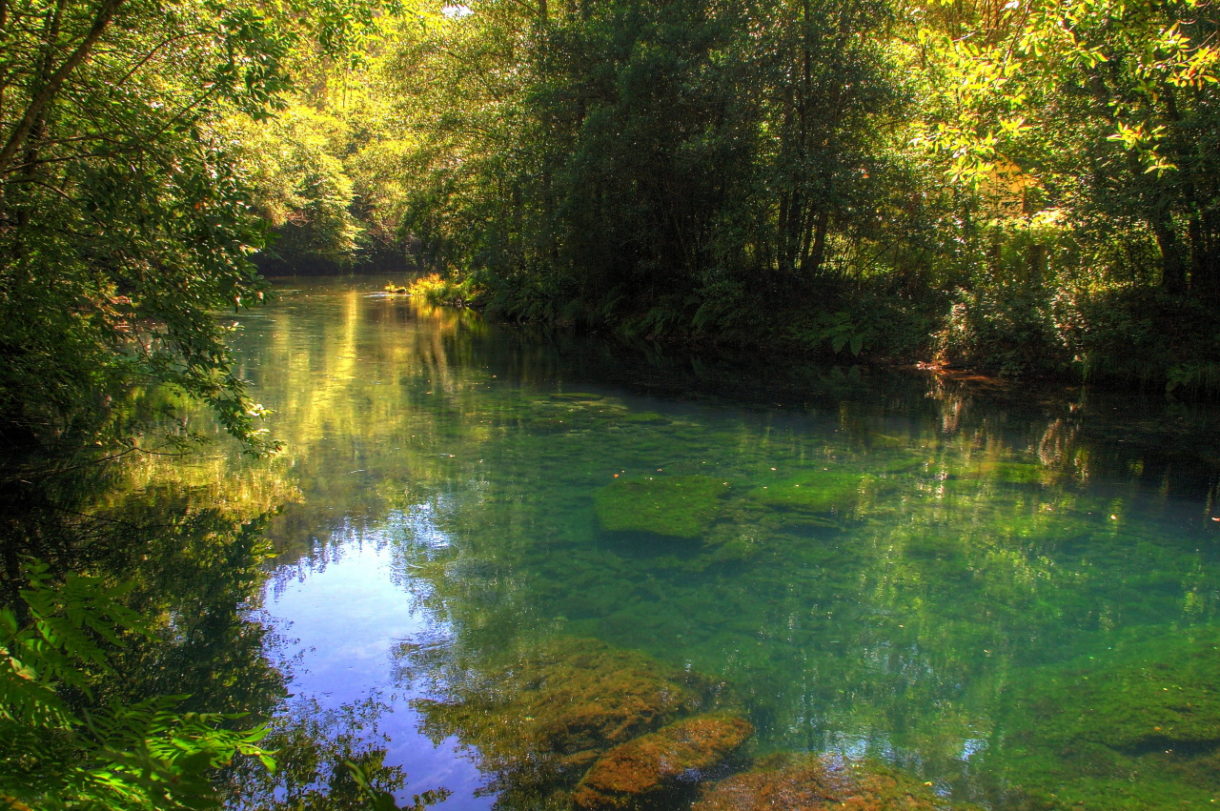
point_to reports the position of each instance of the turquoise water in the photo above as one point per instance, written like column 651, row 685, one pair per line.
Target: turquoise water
column 1009, row 596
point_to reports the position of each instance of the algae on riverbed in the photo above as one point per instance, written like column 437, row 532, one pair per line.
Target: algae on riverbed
column 1133, row 728
column 673, row 506
column 660, row 767
column 820, row 491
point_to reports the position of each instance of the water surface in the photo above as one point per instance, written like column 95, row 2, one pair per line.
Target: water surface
column 989, row 589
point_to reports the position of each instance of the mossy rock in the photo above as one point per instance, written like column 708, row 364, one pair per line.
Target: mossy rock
column 554, row 710
column 821, row 491
column 812, row 783
column 672, row 506
column 653, row 770
column 1137, row 727
column 644, row 418
column 1011, row 472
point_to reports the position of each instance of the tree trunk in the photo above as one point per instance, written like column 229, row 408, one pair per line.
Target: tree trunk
column 47, row 90
column 817, row 253
column 1173, row 260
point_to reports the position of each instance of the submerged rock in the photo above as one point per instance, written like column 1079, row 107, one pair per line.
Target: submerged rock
column 816, row 492
column 1136, row 727
column 673, row 506
column 646, row 771
column 542, row 719
column 813, row 783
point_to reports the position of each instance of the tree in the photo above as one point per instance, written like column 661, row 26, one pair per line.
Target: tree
column 123, row 223
column 638, row 165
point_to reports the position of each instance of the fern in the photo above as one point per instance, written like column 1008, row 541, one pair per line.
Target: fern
column 61, row 749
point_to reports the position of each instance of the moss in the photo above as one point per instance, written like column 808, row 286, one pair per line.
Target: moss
column 817, row 491
column 644, row 418
column 1010, row 472
column 648, row 771
column 812, row 783
column 1135, row 728
column 673, row 506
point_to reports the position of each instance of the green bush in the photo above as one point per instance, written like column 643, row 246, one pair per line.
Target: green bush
column 1006, row 330
column 1142, row 334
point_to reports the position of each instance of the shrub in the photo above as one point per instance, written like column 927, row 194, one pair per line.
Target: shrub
column 1007, row 330
column 443, row 291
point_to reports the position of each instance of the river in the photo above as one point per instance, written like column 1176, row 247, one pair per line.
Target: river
column 1006, row 596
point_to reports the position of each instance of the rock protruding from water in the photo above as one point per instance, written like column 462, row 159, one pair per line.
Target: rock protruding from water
column 818, row 783
column 644, row 772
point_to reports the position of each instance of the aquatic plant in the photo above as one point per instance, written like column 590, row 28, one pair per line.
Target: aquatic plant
column 1130, row 727
column 674, row 506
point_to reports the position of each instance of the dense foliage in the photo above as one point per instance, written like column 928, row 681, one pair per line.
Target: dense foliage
column 123, row 224
column 1023, row 186
column 128, row 217
column 63, row 747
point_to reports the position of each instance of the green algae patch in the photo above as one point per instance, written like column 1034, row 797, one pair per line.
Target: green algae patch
column 672, row 506
column 649, row 770
column 821, row 491
column 1135, row 728
column 643, row 418
column 1008, row 471
column 812, row 783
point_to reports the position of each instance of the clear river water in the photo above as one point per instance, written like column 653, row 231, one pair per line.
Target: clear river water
column 497, row 556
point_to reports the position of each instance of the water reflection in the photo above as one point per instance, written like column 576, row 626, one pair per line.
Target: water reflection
column 872, row 565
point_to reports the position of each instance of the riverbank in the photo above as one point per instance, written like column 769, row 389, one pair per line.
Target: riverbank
column 1136, row 339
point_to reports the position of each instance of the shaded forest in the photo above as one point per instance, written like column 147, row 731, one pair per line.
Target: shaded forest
column 1026, row 188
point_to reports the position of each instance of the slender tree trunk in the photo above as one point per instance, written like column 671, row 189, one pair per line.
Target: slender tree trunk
column 45, row 93
column 37, row 126
column 1173, row 260
column 3, row 31
column 817, row 252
